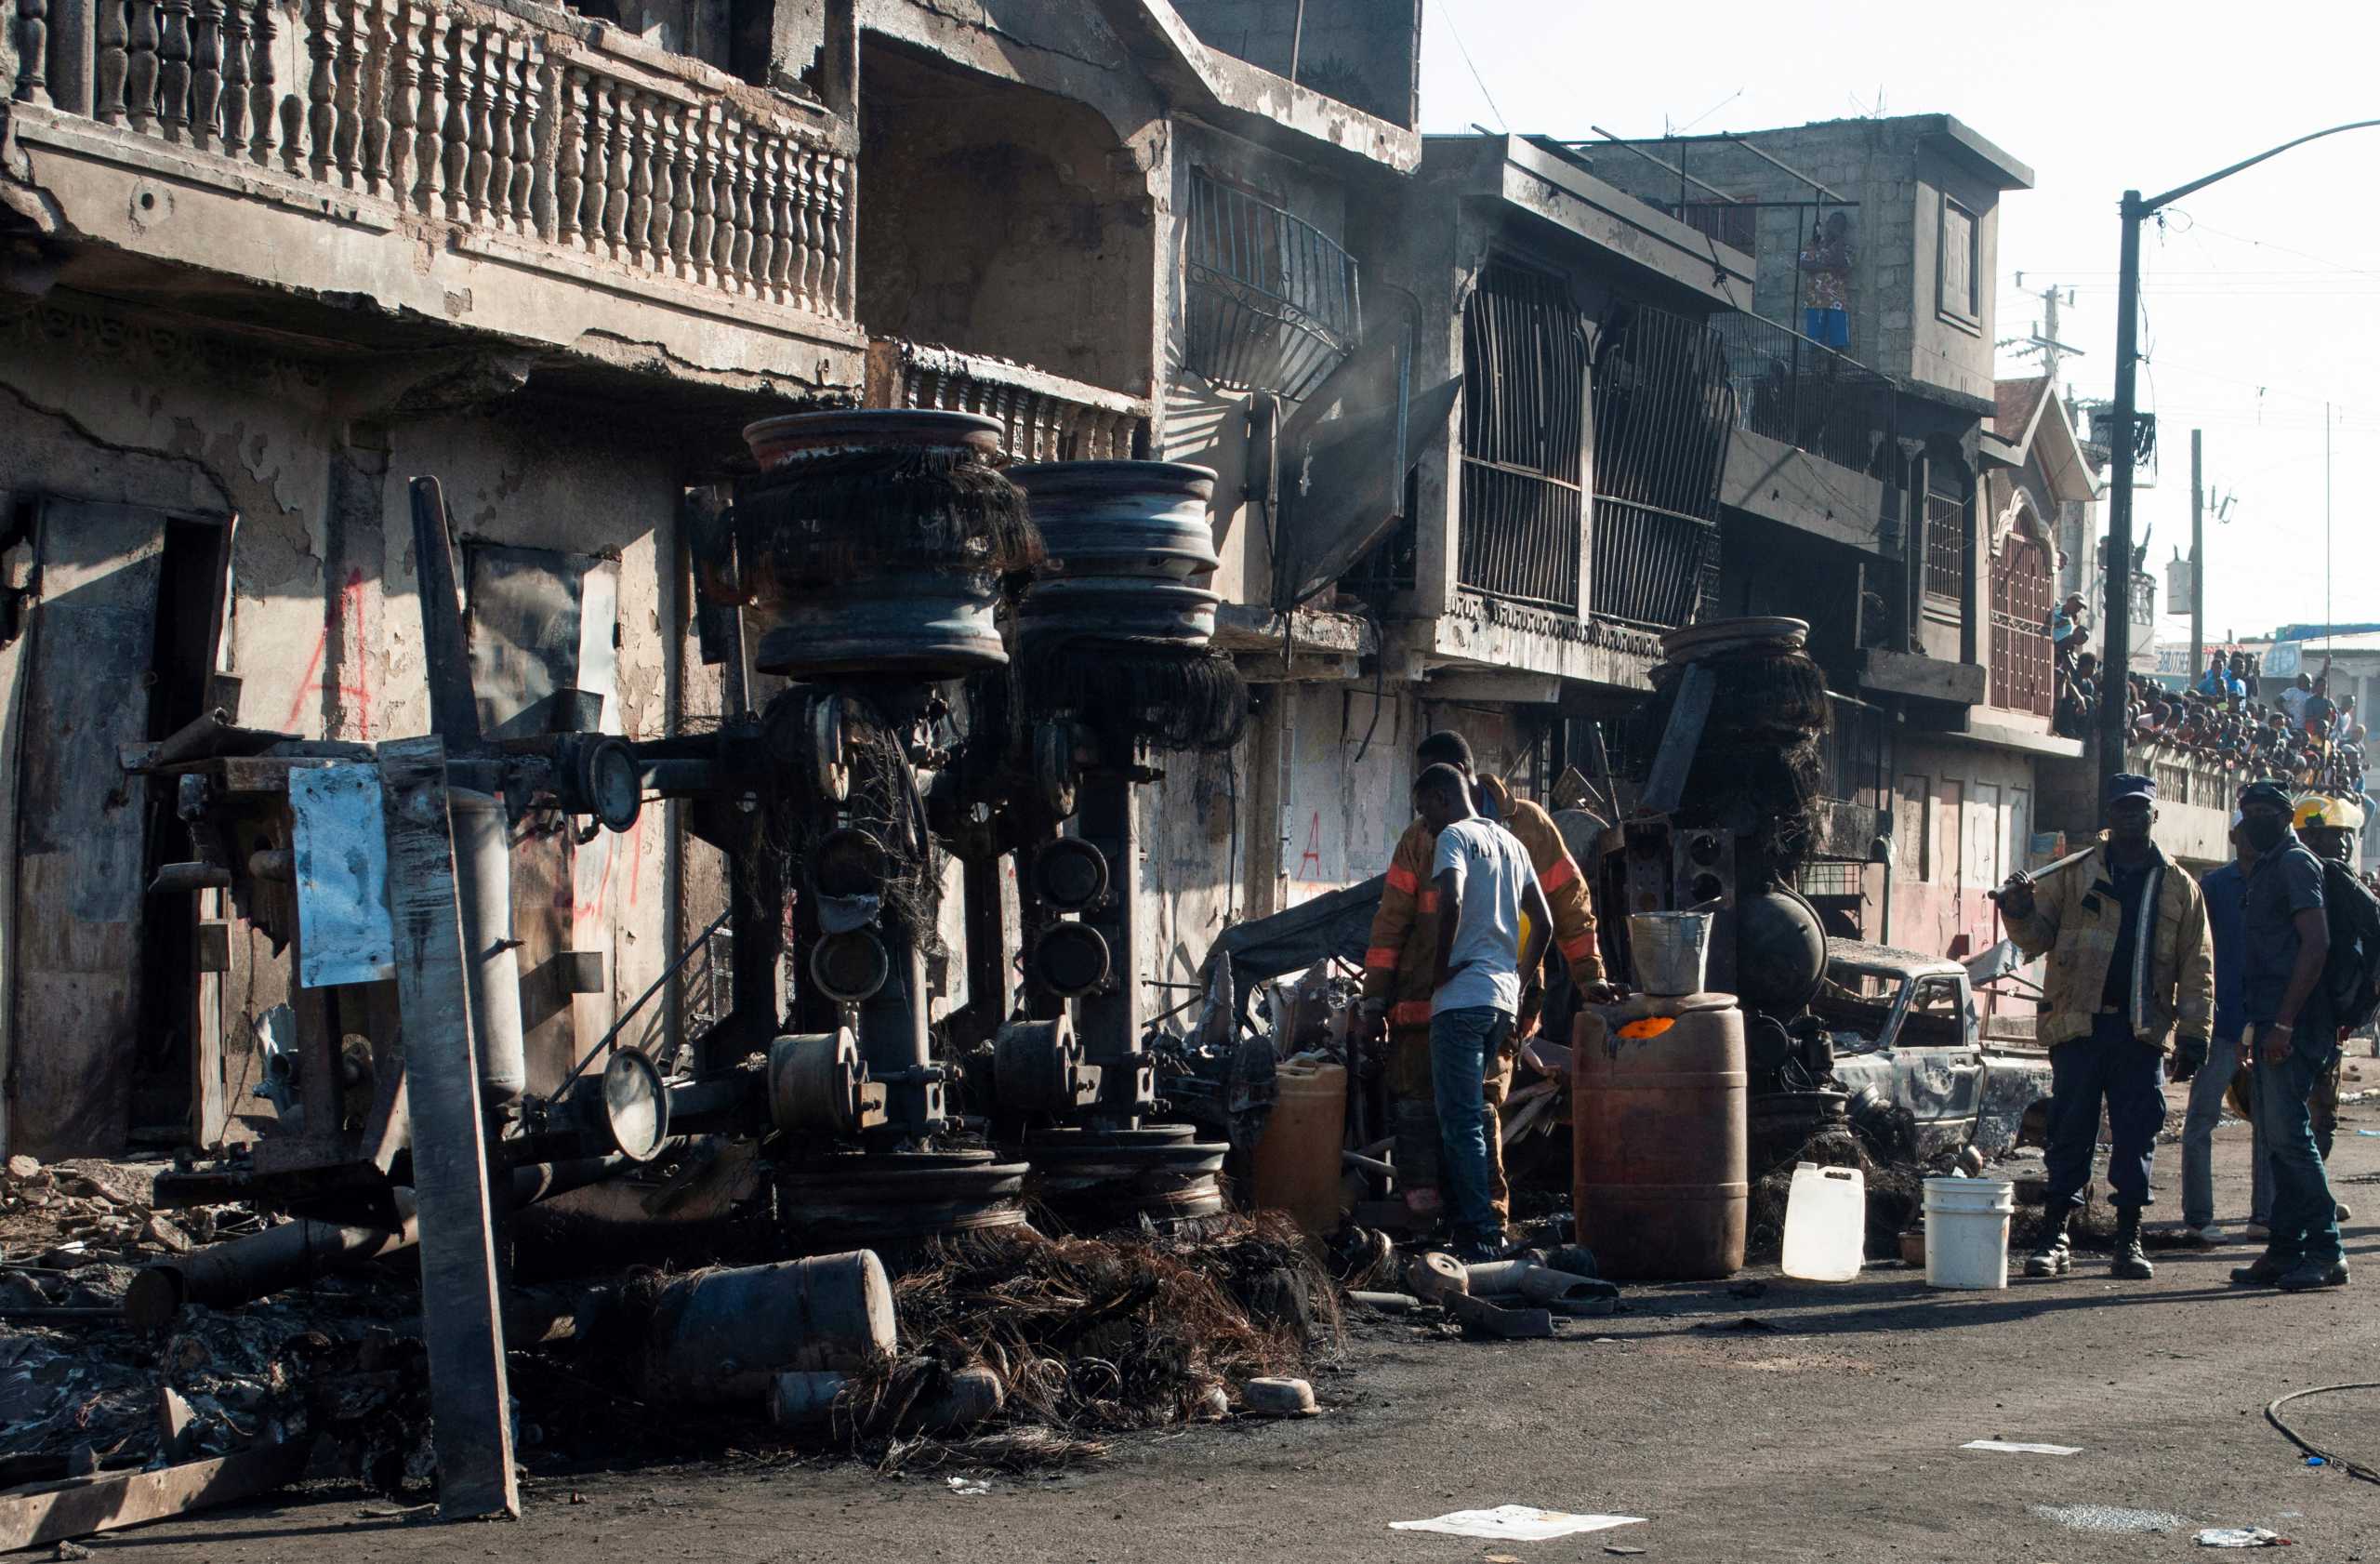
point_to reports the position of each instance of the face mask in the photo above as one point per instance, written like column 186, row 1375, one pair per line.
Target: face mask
column 2263, row 831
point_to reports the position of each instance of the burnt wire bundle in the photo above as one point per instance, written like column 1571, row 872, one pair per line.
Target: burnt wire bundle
column 1092, row 1336
column 1162, row 697
column 822, row 520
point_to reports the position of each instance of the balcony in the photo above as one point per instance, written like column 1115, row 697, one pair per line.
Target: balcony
column 1043, row 417
column 1789, row 390
column 450, row 163
column 1813, row 445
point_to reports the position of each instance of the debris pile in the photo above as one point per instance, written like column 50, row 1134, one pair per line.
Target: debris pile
column 1090, row 1336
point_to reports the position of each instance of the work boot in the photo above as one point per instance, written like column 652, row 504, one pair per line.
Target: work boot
column 2311, row 1274
column 2131, row 1263
column 2264, row 1270
column 2052, row 1255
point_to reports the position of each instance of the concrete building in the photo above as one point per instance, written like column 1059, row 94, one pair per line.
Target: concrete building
column 1872, row 491
column 1488, row 414
column 265, row 262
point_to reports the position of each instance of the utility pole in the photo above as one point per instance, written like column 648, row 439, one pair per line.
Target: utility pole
column 2119, row 596
column 2197, row 565
column 2114, row 688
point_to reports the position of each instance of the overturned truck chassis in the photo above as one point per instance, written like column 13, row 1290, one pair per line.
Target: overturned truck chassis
column 981, row 664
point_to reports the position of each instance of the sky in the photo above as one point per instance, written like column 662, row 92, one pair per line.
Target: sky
column 2261, row 294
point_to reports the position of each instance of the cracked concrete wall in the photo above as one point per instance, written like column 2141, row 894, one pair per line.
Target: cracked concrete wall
column 1003, row 221
column 321, row 625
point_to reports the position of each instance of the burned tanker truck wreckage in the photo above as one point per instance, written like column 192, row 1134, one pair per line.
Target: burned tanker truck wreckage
column 1726, row 817
column 967, row 663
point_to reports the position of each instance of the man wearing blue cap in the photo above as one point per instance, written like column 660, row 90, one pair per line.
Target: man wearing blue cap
column 2289, row 1025
column 2132, row 974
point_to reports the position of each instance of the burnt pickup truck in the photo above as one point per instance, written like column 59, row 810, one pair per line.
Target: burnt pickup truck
column 1905, row 1024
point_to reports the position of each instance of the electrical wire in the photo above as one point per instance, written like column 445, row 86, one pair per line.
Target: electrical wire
column 1476, row 76
column 2352, row 1469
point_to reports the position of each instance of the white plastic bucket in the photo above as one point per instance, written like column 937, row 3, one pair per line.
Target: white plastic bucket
column 1826, row 1222
column 1966, row 1232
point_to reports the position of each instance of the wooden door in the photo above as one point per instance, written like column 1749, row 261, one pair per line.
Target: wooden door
column 81, row 830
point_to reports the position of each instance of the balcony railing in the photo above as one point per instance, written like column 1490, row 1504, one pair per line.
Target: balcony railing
column 1043, row 417
column 1272, row 300
column 1789, row 389
column 526, row 130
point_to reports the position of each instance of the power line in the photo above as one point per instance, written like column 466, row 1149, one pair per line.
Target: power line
column 1465, row 49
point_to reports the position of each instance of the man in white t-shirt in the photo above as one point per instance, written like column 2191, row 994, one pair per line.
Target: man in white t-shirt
column 1487, row 888
column 2293, row 701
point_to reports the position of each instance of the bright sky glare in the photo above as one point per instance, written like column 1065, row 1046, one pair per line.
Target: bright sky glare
column 2262, row 294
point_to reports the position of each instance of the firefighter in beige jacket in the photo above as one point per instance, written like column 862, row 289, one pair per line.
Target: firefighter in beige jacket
column 1403, row 948
column 2130, row 979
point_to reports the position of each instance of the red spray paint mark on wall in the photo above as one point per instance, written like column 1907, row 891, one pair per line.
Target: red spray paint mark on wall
column 1310, row 863
column 347, row 616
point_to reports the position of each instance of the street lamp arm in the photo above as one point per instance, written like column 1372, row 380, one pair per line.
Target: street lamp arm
column 2154, row 201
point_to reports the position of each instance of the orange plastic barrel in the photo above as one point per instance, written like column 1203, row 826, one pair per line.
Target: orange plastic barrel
column 1657, row 1115
column 1296, row 1163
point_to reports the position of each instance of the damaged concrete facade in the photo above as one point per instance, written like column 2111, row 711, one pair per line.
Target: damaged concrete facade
column 568, row 258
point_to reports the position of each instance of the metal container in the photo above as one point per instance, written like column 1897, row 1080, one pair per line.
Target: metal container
column 1669, row 949
column 1122, row 518
column 1657, row 1138
column 721, row 1336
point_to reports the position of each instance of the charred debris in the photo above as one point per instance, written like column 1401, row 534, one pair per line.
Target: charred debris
column 1003, row 1238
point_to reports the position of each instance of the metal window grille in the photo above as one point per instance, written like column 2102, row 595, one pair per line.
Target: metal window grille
column 1270, row 301
column 1857, row 747
column 1946, row 537
column 2021, row 590
column 1663, row 414
column 1789, row 389
column 1524, row 411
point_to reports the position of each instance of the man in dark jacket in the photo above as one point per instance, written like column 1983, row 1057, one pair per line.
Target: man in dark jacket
column 2287, row 1023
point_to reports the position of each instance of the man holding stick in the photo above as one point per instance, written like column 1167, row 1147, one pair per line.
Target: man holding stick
column 2130, row 970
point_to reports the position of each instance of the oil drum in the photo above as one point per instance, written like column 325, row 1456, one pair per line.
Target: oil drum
column 1657, row 1115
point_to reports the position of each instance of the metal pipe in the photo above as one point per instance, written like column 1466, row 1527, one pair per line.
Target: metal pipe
column 491, row 956
column 240, row 1271
column 227, row 1275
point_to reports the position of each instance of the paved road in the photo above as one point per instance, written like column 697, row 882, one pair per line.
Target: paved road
column 1833, row 1435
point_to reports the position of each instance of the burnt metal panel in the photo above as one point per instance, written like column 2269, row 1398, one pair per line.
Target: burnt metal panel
column 82, row 831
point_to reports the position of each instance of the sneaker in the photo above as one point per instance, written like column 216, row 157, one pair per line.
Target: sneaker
column 2054, row 1258
column 2257, row 1228
column 2203, row 1235
column 2263, row 1271
column 2311, row 1274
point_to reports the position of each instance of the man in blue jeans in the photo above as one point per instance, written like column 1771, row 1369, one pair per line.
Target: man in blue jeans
column 1487, row 888
column 2287, row 1021
column 2226, row 890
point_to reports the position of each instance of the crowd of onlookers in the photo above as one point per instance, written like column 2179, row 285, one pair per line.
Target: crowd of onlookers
column 2295, row 734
